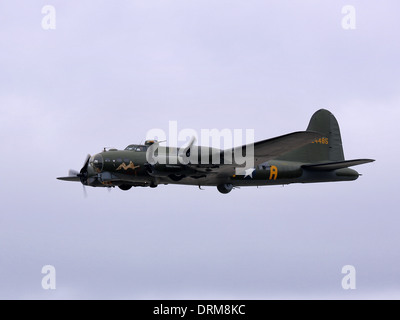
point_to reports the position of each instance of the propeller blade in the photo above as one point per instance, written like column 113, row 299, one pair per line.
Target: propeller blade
column 86, row 164
column 73, row 173
column 70, row 178
column 84, row 191
column 83, row 174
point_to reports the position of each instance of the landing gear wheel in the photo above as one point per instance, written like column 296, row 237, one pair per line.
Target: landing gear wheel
column 225, row 188
column 125, row 187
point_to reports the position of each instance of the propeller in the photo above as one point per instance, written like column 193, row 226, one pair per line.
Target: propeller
column 81, row 176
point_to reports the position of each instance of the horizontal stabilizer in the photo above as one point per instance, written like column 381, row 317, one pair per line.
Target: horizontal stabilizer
column 335, row 165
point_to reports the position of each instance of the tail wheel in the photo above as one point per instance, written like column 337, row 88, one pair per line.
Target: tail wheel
column 225, row 188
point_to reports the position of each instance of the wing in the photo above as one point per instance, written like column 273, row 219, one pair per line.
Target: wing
column 271, row 148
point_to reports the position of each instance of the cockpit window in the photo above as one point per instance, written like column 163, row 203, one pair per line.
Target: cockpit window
column 135, row 147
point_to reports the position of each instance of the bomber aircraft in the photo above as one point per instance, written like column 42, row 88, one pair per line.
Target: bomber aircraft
column 314, row 155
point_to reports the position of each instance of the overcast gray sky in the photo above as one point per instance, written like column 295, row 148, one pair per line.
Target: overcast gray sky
column 112, row 70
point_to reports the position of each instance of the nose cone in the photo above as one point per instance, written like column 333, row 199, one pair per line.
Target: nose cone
column 92, row 171
column 97, row 163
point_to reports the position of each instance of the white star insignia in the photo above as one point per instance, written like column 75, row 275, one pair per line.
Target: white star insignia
column 249, row 172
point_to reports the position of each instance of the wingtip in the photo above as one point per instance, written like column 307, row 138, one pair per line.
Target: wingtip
column 367, row 160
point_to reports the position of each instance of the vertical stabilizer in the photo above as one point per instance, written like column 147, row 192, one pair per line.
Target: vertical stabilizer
column 328, row 148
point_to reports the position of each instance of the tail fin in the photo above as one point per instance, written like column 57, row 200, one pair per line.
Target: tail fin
column 328, row 148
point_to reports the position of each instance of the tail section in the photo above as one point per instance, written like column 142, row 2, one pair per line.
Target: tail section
column 326, row 149
column 331, row 149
